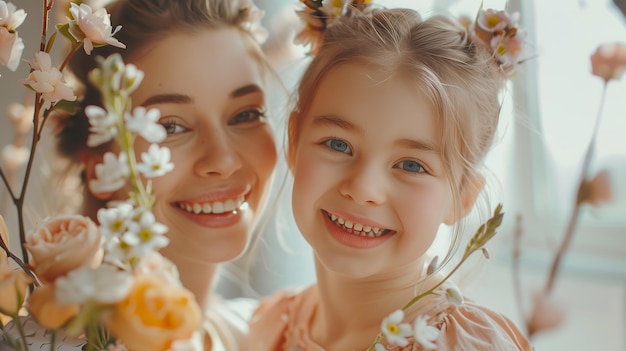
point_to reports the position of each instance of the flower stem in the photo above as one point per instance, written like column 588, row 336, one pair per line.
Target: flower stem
column 569, row 232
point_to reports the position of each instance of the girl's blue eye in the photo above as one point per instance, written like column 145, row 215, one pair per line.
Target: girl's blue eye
column 171, row 127
column 338, row 145
column 410, row 166
column 247, row 116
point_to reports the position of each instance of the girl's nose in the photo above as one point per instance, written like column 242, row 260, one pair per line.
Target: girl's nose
column 364, row 185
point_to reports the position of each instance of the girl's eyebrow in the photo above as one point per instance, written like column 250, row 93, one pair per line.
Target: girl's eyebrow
column 334, row 121
column 167, row 98
column 417, row 144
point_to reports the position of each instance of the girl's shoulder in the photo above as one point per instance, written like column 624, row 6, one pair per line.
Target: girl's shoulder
column 463, row 325
column 226, row 322
column 280, row 313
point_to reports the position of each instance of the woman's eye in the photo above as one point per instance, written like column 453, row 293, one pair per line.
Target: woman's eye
column 338, row 145
column 171, row 127
column 410, row 166
column 247, row 116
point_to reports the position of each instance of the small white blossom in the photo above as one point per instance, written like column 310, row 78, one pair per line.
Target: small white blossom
column 48, row 80
column 103, row 125
column 396, row 332
column 10, row 16
column 105, row 284
column 114, row 221
column 11, row 48
column 111, row 175
column 379, row 347
column 425, row 334
column 146, row 232
column 144, row 123
column 14, row 157
column 155, row 162
column 94, row 28
column 131, row 78
column 454, row 296
column 21, row 116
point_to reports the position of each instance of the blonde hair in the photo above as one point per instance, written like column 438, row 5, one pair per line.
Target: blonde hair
column 458, row 76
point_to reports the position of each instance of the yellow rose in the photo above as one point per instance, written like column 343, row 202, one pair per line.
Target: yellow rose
column 154, row 315
column 47, row 312
column 13, row 286
column 62, row 244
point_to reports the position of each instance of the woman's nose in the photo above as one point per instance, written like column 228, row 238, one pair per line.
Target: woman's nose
column 217, row 157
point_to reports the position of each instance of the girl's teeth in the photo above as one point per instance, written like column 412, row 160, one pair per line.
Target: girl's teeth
column 206, row 208
column 197, row 208
column 356, row 228
column 348, row 224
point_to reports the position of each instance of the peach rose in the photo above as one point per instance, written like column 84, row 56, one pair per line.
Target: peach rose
column 62, row 244
column 13, row 286
column 154, row 315
column 47, row 312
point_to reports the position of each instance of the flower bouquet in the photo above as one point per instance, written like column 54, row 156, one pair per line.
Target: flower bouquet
column 82, row 285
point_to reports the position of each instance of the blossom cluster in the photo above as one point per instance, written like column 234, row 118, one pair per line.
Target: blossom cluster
column 95, row 285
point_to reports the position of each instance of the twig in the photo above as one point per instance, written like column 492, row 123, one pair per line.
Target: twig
column 517, row 286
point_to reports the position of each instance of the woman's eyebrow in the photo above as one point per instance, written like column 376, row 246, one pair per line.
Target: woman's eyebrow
column 167, row 98
column 246, row 89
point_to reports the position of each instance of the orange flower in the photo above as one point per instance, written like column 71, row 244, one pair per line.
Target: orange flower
column 13, row 286
column 62, row 244
column 47, row 312
column 609, row 61
column 154, row 315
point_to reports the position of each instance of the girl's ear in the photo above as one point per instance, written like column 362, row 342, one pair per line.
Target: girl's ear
column 89, row 159
column 469, row 193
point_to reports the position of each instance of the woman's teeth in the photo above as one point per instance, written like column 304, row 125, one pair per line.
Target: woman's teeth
column 215, row 207
column 357, row 228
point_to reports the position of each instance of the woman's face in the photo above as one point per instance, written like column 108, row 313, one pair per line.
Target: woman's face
column 210, row 92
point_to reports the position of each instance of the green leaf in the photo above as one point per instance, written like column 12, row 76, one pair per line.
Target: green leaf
column 68, row 106
column 64, row 29
column 51, row 42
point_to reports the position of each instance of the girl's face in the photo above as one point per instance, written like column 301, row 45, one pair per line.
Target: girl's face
column 209, row 89
column 369, row 186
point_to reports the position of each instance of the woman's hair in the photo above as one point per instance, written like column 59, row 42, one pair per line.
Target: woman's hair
column 458, row 75
column 144, row 23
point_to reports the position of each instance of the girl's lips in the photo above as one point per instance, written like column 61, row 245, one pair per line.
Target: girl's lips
column 356, row 241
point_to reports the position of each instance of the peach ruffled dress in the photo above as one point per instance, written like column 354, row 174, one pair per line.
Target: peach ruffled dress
column 281, row 323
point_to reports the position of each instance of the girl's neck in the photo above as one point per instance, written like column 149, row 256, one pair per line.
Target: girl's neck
column 199, row 277
column 351, row 311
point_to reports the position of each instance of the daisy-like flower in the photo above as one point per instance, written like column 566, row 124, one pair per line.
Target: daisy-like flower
column 155, row 162
column 144, row 123
column 111, row 174
column 48, row 80
column 490, row 23
column 103, row 125
column 312, row 32
column 105, row 284
column 93, row 28
column 113, row 221
column 146, row 233
column 425, row 334
column 396, row 332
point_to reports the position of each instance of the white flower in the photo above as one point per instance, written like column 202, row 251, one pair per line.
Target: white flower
column 396, row 332
column 105, row 284
column 92, row 27
column 379, row 347
column 155, row 162
column 113, row 221
column 147, row 232
column 48, row 80
column 454, row 296
column 10, row 17
column 14, row 157
column 192, row 344
column 21, row 116
column 132, row 77
column 11, row 48
column 145, row 124
column 111, row 175
column 103, row 125
column 425, row 334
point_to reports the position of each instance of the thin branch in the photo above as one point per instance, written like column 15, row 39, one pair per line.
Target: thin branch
column 517, row 285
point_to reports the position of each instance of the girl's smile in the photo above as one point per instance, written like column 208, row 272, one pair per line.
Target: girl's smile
column 356, row 232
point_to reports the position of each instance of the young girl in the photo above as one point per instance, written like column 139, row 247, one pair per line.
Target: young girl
column 206, row 74
column 394, row 117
